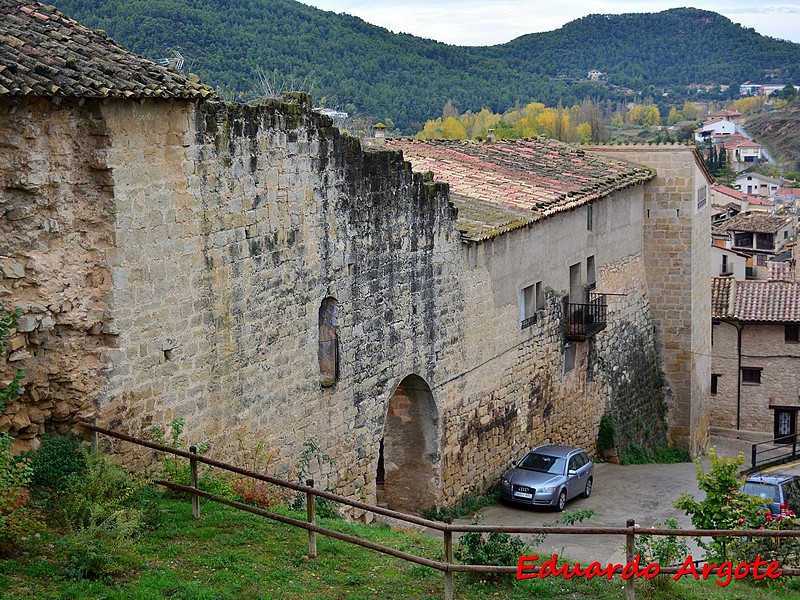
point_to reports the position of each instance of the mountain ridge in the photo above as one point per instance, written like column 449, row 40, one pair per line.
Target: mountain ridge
column 370, row 70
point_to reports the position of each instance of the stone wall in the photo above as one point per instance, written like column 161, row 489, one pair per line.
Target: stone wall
column 677, row 253
column 204, row 241
column 764, row 347
column 56, row 215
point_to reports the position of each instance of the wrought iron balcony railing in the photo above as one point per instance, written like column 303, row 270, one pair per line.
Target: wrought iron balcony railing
column 585, row 320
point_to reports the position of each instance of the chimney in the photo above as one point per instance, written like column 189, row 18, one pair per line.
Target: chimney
column 379, row 130
column 490, row 139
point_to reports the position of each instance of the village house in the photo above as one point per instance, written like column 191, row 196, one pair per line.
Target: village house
column 755, row 380
column 714, row 127
column 254, row 271
column 729, row 115
column 759, row 235
column 757, row 184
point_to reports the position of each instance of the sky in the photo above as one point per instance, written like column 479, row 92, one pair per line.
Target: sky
column 483, row 23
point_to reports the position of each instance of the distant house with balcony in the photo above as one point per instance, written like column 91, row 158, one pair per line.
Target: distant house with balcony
column 755, row 380
column 758, row 235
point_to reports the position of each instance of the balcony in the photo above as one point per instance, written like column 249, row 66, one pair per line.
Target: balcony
column 585, row 320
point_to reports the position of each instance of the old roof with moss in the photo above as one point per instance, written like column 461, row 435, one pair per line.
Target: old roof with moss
column 45, row 53
column 505, row 185
column 755, row 222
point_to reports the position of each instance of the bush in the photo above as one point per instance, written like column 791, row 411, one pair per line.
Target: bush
column 724, row 507
column 17, row 520
column 58, row 458
column 639, row 455
column 104, row 511
column 469, row 504
column 664, row 550
column 606, row 432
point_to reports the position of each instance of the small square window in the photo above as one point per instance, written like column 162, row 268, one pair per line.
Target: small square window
column 531, row 299
column 751, row 375
column 790, row 333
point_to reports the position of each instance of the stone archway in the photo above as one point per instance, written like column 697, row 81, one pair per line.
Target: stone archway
column 408, row 463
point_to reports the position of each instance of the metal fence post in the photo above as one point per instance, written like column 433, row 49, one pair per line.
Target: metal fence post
column 310, row 510
column 753, row 456
column 630, row 544
column 193, row 483
column 448, row 558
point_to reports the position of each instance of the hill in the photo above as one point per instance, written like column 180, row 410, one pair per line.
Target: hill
column 779, row 130
column 368, row 69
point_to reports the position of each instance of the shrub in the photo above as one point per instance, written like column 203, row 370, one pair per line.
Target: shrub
column 606, row 432
column 260, row 493
column 664, row 550
column 639, row 455
column 312, row 453
column 469, row 504
column 724, row 507
column 58, row 458
column 17, row 520
column 104, row 511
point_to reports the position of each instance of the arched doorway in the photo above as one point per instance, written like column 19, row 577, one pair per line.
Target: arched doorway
column 408, row 464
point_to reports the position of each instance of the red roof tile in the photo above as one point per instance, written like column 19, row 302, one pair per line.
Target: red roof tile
column 756, row 301
column 44, row 53
column 542, row 176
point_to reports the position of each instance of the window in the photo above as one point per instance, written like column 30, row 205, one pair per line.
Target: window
column 575, row 284
column 751, row 375
column 714, row 380
column 785, row 424
column 328, row 351
column 701, row 197
column 590, row 274
column 724, row 265
column 790, row 333
column 743, row 239
column 589, row 215
column 531, row 299
column 569, row 358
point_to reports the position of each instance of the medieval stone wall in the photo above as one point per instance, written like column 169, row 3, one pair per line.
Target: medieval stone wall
column 677, row 253
column 254, row 271
column 56, row 214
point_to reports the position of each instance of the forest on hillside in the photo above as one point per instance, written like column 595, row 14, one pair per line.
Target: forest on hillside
column 367, row 70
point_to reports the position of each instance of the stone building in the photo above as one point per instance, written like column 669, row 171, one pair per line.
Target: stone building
column 253, row 270
column 755, row 381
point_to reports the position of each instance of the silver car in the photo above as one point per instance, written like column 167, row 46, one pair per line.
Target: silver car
column 549, row 476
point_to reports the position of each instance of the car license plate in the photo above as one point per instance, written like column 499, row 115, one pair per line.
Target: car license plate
column 523, row 495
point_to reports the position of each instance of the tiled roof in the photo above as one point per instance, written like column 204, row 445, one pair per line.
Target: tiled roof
column 756, row 301
column 720, row 290
column 780, row 270
column 479, row 220
column 755, row 223
column 541, row 177
column 721, row 189
column 44, row 53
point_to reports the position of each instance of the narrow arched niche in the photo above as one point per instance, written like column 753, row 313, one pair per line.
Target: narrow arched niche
column 328, row 352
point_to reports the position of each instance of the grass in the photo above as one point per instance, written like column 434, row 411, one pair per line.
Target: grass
column 234, row 555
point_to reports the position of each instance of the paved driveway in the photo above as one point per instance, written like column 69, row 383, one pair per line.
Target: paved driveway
column 644, row 493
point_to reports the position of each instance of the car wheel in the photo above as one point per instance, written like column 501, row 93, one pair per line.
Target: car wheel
column 587, row 491
column 562, row 501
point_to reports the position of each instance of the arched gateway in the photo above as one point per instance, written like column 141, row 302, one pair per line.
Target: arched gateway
column 408, row 463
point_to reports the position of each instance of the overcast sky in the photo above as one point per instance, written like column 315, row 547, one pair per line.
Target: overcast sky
column 483, row 23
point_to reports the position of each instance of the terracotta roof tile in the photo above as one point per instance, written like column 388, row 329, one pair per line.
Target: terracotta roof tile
column 44, row 53
column 543, row 177
column 756, row 301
